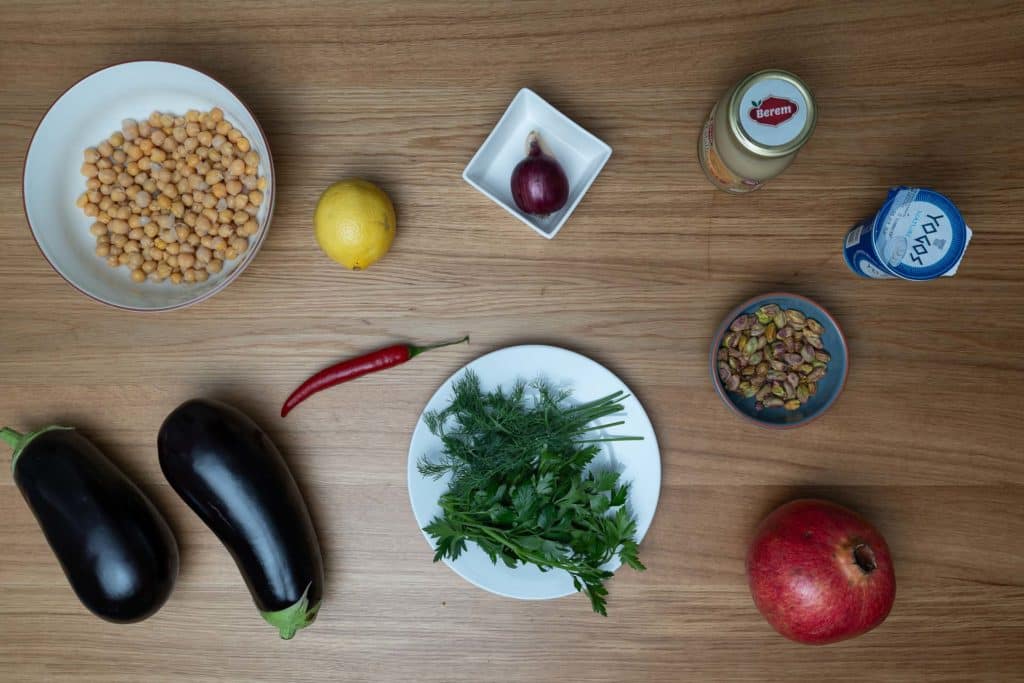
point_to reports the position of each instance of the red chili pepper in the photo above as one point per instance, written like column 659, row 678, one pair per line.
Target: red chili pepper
column 357, row 367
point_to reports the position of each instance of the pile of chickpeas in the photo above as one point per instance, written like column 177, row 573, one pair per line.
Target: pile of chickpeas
column 173, row 197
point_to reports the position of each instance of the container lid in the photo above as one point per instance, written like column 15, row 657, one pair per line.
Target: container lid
column 772, row 113
column 919, row 234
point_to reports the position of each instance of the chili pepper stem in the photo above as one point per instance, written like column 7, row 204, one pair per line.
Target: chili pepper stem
column 417, row 350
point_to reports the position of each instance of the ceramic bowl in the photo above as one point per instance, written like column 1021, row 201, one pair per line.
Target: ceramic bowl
column 89, row 112
column 830, row 386
column 581, row 154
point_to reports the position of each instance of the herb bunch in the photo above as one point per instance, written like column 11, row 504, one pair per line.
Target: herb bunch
column 520, row 487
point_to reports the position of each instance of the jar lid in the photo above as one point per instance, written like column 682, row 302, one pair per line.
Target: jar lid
column 772, row 113
column 919, row 234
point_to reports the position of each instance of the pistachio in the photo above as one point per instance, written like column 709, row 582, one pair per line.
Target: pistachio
column 723, row 371
column 741, row 323
column 774, row 356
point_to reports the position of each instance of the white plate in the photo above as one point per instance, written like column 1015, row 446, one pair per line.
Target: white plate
column 87, row 113
column 581, row 154
column 639, row 461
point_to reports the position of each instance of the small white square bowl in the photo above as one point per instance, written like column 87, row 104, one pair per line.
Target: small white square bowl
column 581, row 154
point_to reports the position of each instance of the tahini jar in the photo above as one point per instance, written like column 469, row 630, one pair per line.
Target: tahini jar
column 755, row 131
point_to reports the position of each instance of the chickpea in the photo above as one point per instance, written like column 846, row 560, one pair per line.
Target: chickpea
column 115, row 250
column 243, row 145
column 170, row 191
column 187, row 200
column 240, row 217
column 145, row 243
column 226, row 230
column 94, row 196
column 82, row 200
column 119, row 156
column 179, row 134
column 92, row 184
column 212, row 178
column 234, row 187
column 190, row 145
column 239, row 202
column 182, row 231
column 186, row 261
column 91, row 155
column 211, row 215
column 249, row 182
column 169, row 145
column 205, row 138
column 219, row 190
column 190, row 219
column 166, row 120
column 103, row 250
column 225, row 215
column 217, row 140
column 105, row 148
column 201, row 275
column 213, row 156
column 172, row 260
column 233, row 134
column 176, row 278
column 190, row 275
column 214, row 266
column 105, row 190
column 103, row 217
column 144, row 164
column 209, row 202
column 150, row 187
column 97, row 229
column 203, row 254
column 158, row 155
column 119, row 239
column 103, row 163
column 134, row 222
column 218, row 243
column 227, row 151
column 91, row 210
column 163, row 270
column 112, row 261
column 106, row 176
column 249, row 229
column 239, row 244
column 143, row 198
column 192, row 240
column 203, row 168
column 89, row 170
column 164, row 202
column 138, row 275
column 151, row 229
column 206, row 241
column 223, row 127
column 148, row 266
column 178, row 209
column 202, row 225
column 173, row 249
column 135, row 233
column 236, row 167
column 146, row 146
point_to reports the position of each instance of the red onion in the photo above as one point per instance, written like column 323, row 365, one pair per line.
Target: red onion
column 539, row 185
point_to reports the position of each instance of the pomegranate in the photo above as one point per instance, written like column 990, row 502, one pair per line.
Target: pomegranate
column 820, row 573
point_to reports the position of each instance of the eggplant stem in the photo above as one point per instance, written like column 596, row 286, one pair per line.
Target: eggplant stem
column 289, row 620
column 18, row 441
column 11, row 437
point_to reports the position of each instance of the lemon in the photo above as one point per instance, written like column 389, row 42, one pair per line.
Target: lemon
column 354, row 222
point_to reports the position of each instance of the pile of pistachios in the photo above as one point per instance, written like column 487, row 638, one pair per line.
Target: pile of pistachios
column 774, row 356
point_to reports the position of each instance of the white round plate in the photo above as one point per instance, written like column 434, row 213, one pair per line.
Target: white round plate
column 639, row 461
column 89, row 112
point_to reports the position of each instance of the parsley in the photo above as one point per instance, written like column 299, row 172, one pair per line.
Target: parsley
column 520, row 487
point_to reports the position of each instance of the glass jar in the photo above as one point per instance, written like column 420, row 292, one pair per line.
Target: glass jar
column 755, row 131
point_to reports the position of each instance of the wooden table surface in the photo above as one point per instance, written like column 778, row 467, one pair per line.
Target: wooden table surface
column 925, row 441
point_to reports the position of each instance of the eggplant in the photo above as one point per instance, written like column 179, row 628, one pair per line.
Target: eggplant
column 232, row 475
column 115, row 547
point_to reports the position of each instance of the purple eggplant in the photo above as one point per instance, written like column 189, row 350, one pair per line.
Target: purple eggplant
column 116, row 549
column 231, row 475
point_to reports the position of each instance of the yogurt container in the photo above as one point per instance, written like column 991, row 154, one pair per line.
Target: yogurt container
column 918, row 234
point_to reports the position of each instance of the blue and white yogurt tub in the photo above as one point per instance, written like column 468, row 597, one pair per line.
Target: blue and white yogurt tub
column 918, row 234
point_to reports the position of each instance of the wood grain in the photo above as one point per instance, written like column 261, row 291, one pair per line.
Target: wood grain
column 926, row 441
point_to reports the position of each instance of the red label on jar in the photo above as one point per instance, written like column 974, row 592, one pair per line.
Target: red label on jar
column 773, row 110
